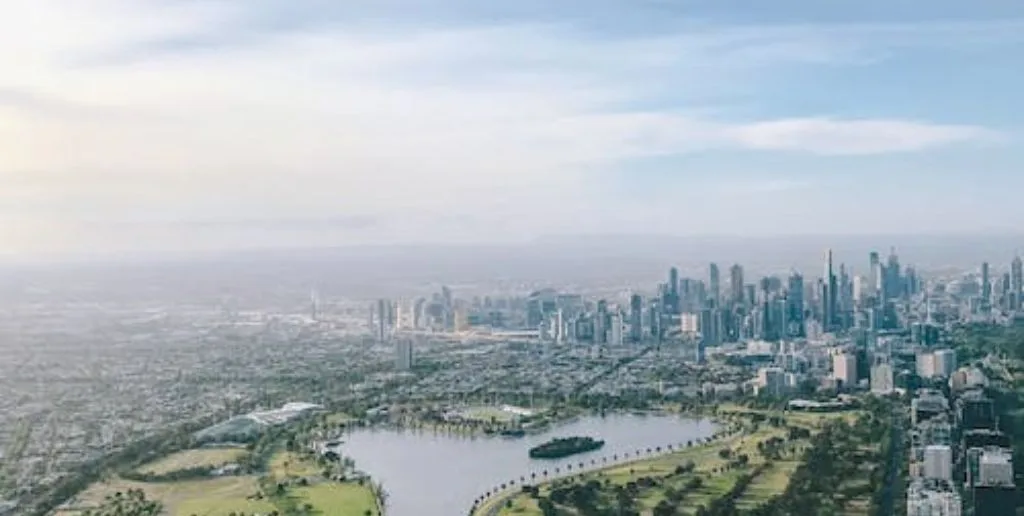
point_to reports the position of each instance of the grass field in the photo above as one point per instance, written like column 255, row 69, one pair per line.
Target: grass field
column 287, row 464
column 336, row 499
column 213, row 497
column 193, row 459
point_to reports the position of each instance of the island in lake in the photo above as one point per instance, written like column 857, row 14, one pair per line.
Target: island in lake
column 564, row 447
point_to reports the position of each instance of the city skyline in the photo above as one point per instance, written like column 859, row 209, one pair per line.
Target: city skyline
column 206, row 125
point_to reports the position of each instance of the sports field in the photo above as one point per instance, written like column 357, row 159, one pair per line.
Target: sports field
column 201, row 457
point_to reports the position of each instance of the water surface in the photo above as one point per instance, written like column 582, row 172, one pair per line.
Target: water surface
column 428, row 474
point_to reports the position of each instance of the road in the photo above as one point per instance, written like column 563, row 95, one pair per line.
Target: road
column 893, row 483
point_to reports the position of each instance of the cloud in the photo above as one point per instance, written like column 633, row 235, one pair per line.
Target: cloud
column 196, row 111
column 854, row 137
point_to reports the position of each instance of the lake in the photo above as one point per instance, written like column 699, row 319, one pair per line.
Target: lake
column 428, row 474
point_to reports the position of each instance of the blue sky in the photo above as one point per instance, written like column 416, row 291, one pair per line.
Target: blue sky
column 197, row 124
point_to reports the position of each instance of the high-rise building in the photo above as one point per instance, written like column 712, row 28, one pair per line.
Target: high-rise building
column 926, row 364
column 383, row 314
column 892, row 279
column 403, row 355
column 418, row 313
column 994, row 493
column 844, row 369
column 874, row 276
column 736, row 284
column 882, row 381
column 615, row 333
column 944, row 363
column 710, row 330
column 831, row 295
column 938, row 462
column 601, row 323
column 714, row 284
column 771, row 380
column 986, row 287
column 795, row 306
column 671, row 301
column 689, row 324
column 655, row 317
column 1016, row 282
column 636, row 321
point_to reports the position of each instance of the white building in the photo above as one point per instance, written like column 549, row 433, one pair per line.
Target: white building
column 995, row 468
column 615, row 337
column 403, row 355
column 926, row 364
column 927, row 498
column 882, row 378
column 844, row 368
column 689, row 323
column 938, row 462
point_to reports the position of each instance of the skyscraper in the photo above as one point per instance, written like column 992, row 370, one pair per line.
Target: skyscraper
column 670, row 295
column 636, row 321
column 795, row 306
column 874, row 275
column 986, row 287
column 615, row 337
column 892, row 279
column 601, row 323
column 403, row 355
column 830, row 294
column 1016, row 282
column 383, row 307
column 714, row 284
column 736, row 284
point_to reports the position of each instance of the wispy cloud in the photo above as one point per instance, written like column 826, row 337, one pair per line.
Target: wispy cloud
column 222, row 112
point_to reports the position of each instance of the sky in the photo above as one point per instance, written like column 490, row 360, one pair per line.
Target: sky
column 152, row 125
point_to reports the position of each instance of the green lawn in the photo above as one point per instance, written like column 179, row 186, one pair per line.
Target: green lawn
column 286, row 464
column 330, row 499
column 213, row 497
column 193, row 459
column 768, row 484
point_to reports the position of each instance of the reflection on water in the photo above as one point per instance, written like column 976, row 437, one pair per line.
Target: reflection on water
column 427, row 474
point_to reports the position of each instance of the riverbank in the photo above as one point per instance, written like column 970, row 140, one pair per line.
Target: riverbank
column 751, row 464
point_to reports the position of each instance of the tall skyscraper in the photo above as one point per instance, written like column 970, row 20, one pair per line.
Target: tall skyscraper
column 892, row 279
column 383, row 310
column 636, row 318
column 673, row 281
column 403, row 355
column 830, row 295
column 736, row 284
column 986, row 287
column 715, row 284
column 795, row 306
column 601, row 321
column 874, row 275
column 615, row 336
column 1016, row 282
